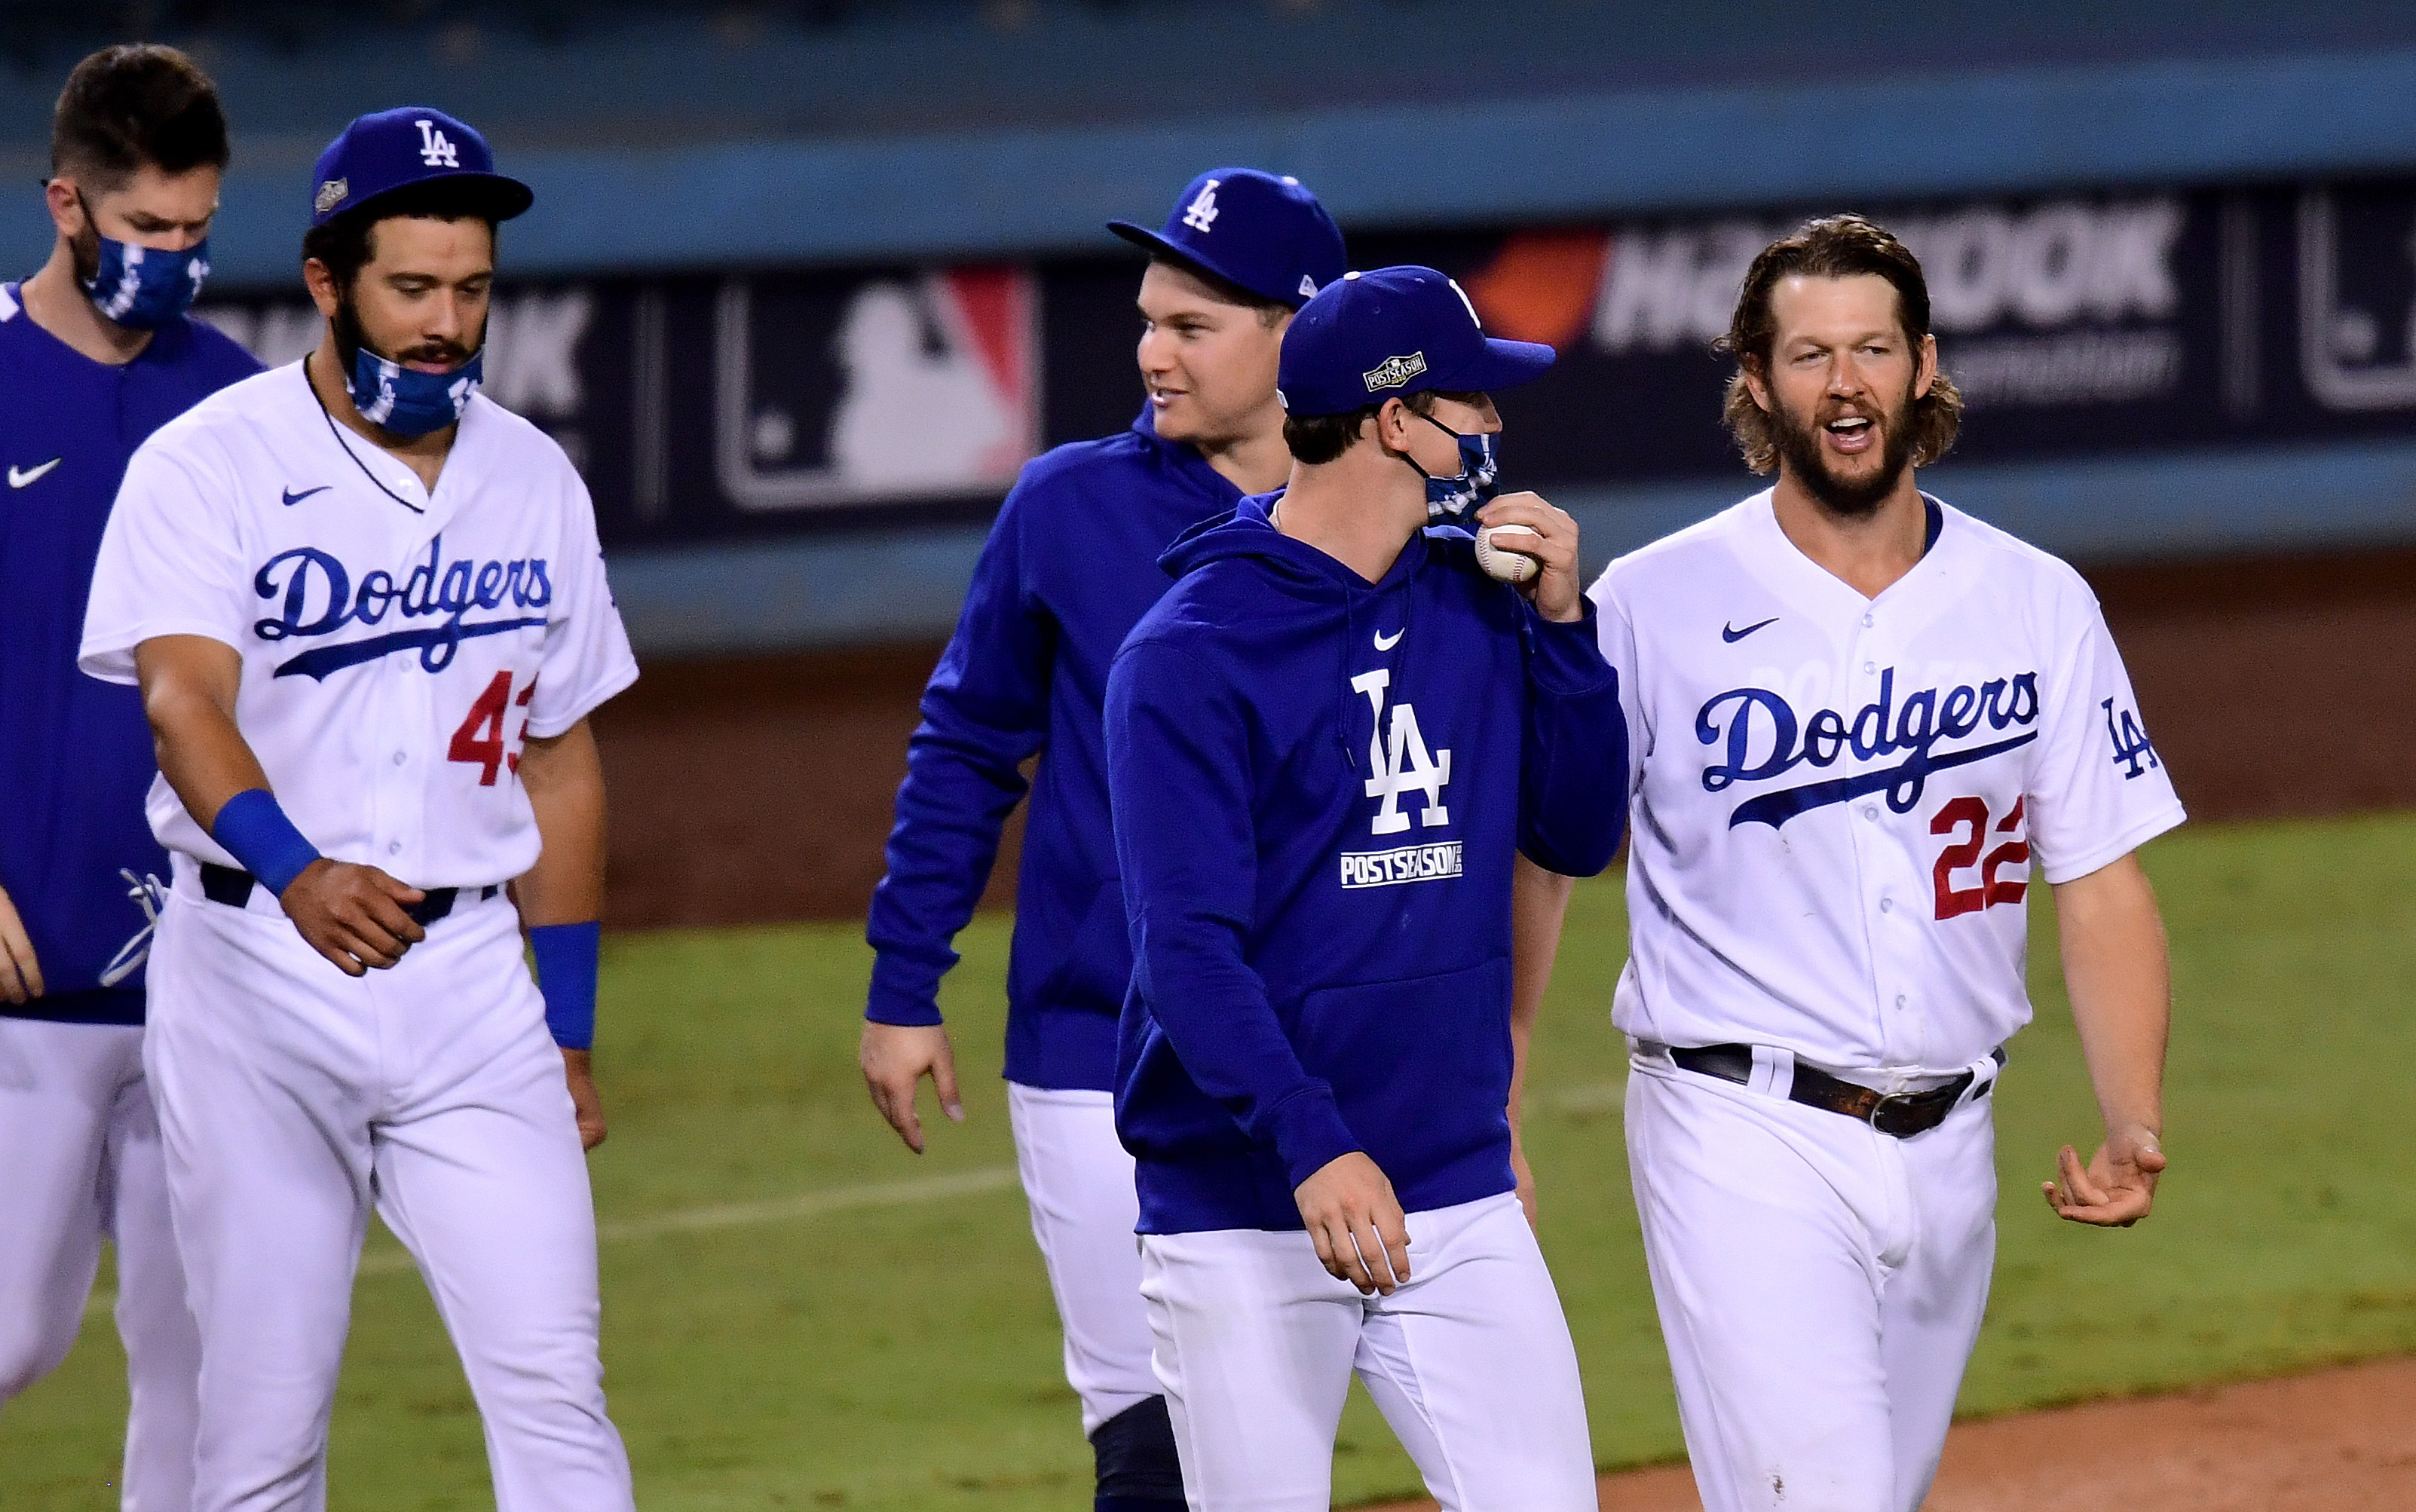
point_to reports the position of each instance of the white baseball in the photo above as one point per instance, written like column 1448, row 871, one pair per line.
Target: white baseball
column 1501, row 554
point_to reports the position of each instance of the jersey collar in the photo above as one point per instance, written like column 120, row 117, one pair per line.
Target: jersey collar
column 1185, row 458
column 1940, row 546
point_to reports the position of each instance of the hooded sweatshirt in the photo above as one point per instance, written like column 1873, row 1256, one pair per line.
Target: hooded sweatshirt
column 1318, row 784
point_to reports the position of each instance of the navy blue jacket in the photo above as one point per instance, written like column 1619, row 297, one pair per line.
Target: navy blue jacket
column 76, row 758
column 1069, row 567
column 1318, row 786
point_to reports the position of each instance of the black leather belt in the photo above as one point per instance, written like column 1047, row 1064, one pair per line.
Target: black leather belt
column 225, row 885
column 1903, row 1115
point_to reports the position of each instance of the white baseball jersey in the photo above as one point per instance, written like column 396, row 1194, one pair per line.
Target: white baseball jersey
column 1838, row 801
column 399, row 645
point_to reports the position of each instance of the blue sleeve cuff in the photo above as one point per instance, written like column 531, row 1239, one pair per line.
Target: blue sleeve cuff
column 1568, row 654
column 568, row 957
column 255, row 831
column 902, row 992
column 1310, row 1133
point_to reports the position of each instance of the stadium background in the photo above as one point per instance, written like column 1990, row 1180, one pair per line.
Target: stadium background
column 807, row 282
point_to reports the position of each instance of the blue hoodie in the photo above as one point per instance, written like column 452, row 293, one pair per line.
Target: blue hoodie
column 75, row 753
column 1319, row 783
column 1069, row 567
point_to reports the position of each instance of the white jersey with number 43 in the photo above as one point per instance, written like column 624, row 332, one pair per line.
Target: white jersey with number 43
column 399, row 645
column 1838, row 801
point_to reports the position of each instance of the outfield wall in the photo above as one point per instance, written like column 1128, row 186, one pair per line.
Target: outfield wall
column 760, row 788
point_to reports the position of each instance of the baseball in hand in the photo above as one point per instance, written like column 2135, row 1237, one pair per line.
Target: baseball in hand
column 1501, row 552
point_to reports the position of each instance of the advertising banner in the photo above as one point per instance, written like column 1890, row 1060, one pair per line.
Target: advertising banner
column 717, row 406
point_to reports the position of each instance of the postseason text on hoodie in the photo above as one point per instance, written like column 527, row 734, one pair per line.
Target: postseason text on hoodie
column 1318, row 785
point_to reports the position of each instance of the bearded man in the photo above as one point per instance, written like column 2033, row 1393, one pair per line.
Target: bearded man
column 1858, row 718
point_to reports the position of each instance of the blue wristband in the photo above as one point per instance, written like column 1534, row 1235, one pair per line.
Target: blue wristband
column 256, row 833
column 566, row 960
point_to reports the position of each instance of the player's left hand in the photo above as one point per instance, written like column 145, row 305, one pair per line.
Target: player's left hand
column 21, row 975
column 2118, row 1187
column 1556, row 591
column 579, row 1069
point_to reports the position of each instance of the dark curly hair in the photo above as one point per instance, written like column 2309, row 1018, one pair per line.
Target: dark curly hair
column 1832, row 247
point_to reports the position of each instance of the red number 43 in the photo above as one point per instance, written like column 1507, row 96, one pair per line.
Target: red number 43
column 1968, row 818
column 480, row 739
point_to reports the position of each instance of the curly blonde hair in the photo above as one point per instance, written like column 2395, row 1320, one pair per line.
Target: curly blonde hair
column 1832, row 247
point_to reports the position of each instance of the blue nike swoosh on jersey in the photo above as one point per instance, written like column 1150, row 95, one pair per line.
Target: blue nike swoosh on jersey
column 1733, row 635
column 293, row 498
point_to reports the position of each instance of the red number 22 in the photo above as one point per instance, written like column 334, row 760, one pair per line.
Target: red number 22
column 480, row 739
column 1971, row 815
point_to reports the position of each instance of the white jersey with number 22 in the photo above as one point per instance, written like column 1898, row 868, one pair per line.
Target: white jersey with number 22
column 400, row 646
column 1838, row 800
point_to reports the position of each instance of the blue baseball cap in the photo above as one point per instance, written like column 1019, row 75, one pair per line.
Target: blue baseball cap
column 1264, row 233
column 408, row 145
column 1370, row 337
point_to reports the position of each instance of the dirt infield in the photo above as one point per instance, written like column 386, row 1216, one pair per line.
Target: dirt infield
column 760, row 790
column 2337, row 1440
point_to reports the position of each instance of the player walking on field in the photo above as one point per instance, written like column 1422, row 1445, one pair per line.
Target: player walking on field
column 1325, row 745
column 1858, row 716
column 95, row 353
column 1070, row 565
column 368, row 618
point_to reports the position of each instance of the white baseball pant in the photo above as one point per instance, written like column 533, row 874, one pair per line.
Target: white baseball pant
column 1820, row 1286
column 292, row 1098
column 1077, row 1180
column 1470, row 1362
column 80, row 1160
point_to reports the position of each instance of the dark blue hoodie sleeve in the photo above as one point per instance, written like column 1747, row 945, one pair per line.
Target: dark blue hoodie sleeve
column 1179, row 781
column 984, row 711
column 1573, row 775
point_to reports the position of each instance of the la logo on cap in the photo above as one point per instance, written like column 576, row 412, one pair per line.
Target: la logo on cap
column 436, row 149
column 1203, row 212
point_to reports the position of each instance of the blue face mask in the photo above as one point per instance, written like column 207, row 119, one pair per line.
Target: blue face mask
column 1449, row 498
column 143, row 288
column 410, row 403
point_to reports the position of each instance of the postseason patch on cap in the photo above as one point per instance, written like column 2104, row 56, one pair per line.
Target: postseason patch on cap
column 1393, row 371
column 331, row 194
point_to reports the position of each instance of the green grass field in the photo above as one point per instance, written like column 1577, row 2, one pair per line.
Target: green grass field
column 847, row 1341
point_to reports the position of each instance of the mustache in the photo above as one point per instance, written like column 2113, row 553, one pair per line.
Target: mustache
column 448, row 354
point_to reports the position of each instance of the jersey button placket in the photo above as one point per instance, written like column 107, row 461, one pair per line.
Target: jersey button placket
column 1876, row 862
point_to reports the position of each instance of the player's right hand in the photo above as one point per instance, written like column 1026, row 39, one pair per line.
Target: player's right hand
column 1356, row 1223
column 895, row 1057
column 21, row 975
column 352, row 914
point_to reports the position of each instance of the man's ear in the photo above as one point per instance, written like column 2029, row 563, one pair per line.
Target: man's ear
column 1756, row 384
column 1925, row 374
column 65, row 206
column 321, row 282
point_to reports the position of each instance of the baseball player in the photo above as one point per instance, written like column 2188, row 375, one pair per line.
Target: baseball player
column 1325, row 745
column 95, row 353
column 1858, row 718
column 1069, row 566
column 368, row 618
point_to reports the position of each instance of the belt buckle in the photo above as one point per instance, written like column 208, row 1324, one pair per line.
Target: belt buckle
column 1882, row 1120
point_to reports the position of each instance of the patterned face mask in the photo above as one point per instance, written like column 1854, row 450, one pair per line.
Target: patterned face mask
column 143, row 288
column 410, row 403
column 1449, row 498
